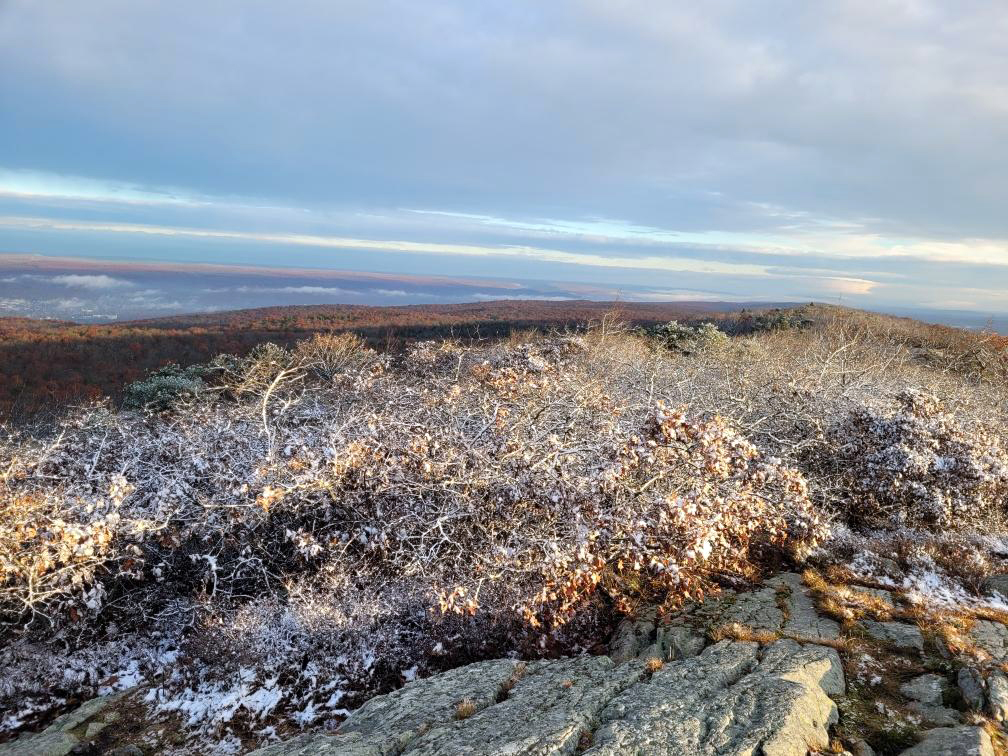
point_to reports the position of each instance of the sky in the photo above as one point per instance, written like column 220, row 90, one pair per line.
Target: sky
column 854, row 151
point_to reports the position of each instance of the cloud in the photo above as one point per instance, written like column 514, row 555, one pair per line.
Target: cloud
column 651, row 262
column 99, row 282
column 326, row 291
column 485, row 297
column 808, row 149
column 94, row 282
column 400, row 293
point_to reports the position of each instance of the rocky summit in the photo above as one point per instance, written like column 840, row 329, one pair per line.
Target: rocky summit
column 760, row 671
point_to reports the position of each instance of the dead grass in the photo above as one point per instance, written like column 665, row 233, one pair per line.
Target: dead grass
column 739, row 632
column 653, row 664
column 519, row 672
column 999, row 740
column 465, row 709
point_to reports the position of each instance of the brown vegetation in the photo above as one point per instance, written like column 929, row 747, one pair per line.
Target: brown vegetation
column 48, row 364
column 388, row 513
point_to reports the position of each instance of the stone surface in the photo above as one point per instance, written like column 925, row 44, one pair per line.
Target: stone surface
column 681, row 641
column 734, row 698
column 971, row 687
column 44, row 744
column 803, row 619
column 86, row 711
column 93, row 729
column 401, row 715
column 632, row 637
column 992, row 637
column 928, row 689
column 953, row 741
column 899, row 634
column 65, row 733
column 548, row 711
column 997, row 584
column 997, row 696
column 938, row 715
column 860, row 747
column 757, row 609
column 353, row 744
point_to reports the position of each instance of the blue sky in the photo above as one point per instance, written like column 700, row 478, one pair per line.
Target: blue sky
column 852, row 150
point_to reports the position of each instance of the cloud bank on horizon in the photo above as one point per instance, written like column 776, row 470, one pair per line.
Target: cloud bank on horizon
column 855, row 150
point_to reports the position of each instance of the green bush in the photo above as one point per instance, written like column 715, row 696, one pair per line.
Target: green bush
column 165, row 387
column 780, row 320
column 680, row 337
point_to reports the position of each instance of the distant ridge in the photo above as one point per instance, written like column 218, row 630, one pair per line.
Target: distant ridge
column 46, row 363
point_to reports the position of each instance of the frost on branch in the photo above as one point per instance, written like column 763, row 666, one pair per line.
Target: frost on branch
column 380, row 514
column 917, row 466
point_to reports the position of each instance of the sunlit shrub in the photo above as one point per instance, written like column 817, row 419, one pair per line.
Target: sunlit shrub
column 471, row 499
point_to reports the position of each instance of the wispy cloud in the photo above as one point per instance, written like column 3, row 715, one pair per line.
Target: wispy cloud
column 326, row 291
column 94, row 282
column 100, row 282
column 847, row 149
column 652, row 262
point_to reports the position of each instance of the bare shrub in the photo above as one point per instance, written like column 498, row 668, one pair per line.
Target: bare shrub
column 329, row 354
column 383, row 514
column 917, row 466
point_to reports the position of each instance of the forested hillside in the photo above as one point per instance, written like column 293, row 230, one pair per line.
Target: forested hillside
column 45, row 363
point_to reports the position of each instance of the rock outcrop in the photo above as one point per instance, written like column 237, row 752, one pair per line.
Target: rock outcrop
column 67, row 732
column 734, row 698
column 953, row 741
column 760, row 671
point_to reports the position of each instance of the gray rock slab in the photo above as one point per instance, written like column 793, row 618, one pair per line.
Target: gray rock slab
column 547, row 712
column 997, row 696
column 400, row 716
column 803, row 618
column 899, row 634
column 44, row 744
column 731, row 699
column 58, row 738
column 997, row 584
column 633, row 635
column 93, row 729
column 756, row 609
column 938, row 715
column 681, row 641
column 992, row 637
column 971, row 687
column 352, row 744
column 83, row 713
column 953, row 741
column 928, row 689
